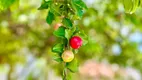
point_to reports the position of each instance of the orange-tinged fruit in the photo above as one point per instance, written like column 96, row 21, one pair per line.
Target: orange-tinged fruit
column 67, row 56
column 57, row 25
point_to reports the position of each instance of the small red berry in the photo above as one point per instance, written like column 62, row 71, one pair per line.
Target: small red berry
column 75, row 42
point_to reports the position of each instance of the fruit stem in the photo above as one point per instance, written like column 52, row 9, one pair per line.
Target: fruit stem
column 64, row 72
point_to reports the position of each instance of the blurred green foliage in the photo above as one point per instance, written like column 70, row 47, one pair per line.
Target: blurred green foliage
column 4, row 4
column 24, row 32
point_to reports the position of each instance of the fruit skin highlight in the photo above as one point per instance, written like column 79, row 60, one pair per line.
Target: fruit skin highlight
column 67, row 56
column 75, row 42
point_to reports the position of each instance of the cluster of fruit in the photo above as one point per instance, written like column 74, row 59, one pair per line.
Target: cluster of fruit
column 75, row 42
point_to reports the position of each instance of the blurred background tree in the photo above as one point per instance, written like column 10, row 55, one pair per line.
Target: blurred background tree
column 115, row 41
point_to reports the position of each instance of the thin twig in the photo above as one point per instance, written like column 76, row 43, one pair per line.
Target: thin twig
column 64, row 72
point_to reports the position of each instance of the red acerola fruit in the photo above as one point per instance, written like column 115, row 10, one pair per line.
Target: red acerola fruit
column 75, row 42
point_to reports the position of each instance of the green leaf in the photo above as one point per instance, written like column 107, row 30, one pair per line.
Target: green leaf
column 69, row 33
column 58, row 48
column 60, row 32
column 57, row 57
column 75, row 51
column 78, row 10
column 80, row 3
column 55, row 9
column 50, row 17
column 73, row 65
column 83, row 36
column 44, row 5
column 128, row 5
column 67, row 22
column 77, row 29
column 135, row 6
column 131, row 5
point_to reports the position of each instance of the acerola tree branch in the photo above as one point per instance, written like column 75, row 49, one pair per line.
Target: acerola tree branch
column 70, row 39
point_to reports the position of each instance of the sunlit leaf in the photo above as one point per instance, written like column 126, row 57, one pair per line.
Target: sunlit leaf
column 73, row 65
column 57, row 57
column 60, row 32
column 67, row 22
column 44, row 5
column 58, row 48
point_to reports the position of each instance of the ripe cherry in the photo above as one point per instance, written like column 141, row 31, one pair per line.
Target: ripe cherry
column 75, row 42
column 67, row 56
column 57, row 25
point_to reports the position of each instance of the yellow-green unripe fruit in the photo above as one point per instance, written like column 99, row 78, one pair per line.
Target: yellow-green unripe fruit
column 67, row 56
